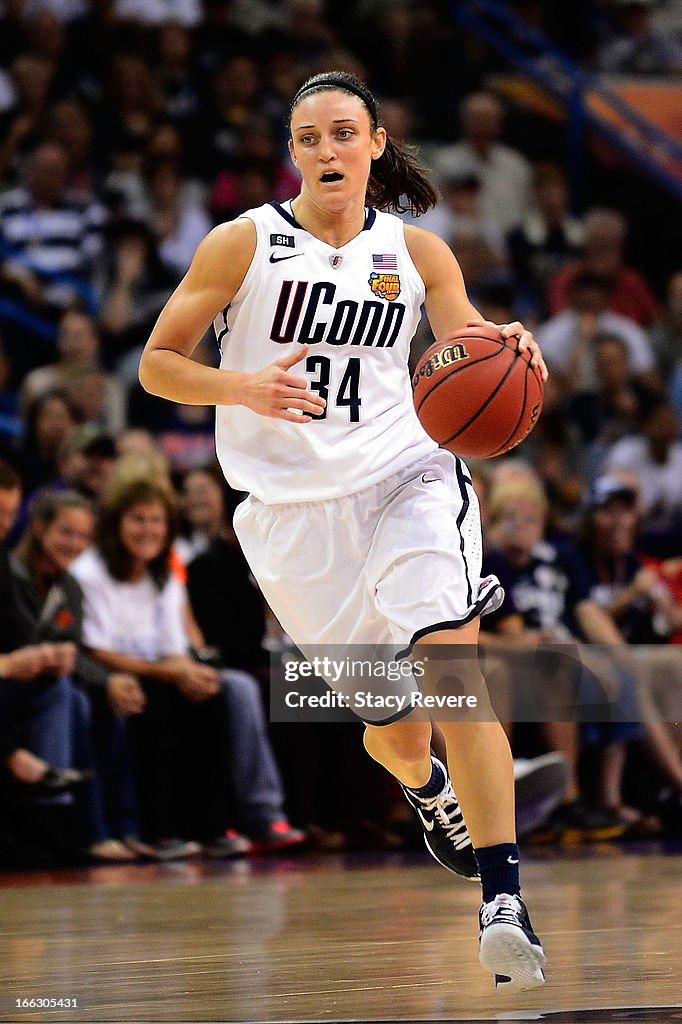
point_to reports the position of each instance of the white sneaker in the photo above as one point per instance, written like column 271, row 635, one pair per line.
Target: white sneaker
column 509, row 948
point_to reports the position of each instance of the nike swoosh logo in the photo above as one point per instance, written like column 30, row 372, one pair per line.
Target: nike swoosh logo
column 510, row 860
column 428, row 825
column 429, row 480
column 278, row 259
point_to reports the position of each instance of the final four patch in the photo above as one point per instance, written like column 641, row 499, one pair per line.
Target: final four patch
column 384, row 280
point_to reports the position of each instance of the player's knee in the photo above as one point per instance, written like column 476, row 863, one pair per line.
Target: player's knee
column 406, row 741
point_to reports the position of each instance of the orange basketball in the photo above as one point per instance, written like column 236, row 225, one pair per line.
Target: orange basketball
column 476, row 394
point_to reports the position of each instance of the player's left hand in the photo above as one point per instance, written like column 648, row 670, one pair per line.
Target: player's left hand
column 527, row 342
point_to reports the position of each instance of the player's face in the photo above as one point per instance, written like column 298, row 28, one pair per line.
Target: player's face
column 333, row 144
column 143, row 531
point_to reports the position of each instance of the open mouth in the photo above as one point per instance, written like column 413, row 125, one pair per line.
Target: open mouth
column 331, row 176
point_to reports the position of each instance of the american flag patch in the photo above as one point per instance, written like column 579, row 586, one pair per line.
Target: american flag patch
column 385, row 263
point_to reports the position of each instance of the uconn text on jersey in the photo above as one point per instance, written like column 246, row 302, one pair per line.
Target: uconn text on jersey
column 310, row 315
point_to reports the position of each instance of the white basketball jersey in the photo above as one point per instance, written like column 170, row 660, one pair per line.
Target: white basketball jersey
column 358, row 308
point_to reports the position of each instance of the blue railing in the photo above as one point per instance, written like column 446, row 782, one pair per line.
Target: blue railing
column 645, row 144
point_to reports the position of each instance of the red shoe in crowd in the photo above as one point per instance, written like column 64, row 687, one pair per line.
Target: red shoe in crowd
column 276, row 835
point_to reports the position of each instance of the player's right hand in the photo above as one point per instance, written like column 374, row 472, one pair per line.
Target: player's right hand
column 275, row 392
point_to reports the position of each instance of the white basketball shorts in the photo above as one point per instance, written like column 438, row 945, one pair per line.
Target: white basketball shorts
column 384, row 566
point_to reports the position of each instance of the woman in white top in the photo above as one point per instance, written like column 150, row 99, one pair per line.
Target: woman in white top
column 357, row 527
column 198, row 722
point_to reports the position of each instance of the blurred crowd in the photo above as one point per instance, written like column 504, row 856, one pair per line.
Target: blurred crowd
column 135, row 647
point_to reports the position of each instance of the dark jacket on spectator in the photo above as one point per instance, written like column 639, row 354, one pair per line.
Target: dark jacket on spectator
column 57, row 618
column 227, row 604
column 14, row 632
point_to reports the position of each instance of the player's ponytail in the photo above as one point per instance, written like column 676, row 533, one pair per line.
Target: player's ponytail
column 397, row 180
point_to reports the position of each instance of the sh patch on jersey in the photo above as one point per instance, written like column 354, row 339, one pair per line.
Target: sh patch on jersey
column 285, row 240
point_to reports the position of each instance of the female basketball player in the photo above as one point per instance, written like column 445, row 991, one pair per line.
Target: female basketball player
column 357, row 527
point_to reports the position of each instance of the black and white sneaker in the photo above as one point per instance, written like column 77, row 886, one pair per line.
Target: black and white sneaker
column 445, row 831
column 509, row 948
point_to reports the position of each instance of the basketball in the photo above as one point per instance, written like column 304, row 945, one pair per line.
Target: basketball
column 476, row 394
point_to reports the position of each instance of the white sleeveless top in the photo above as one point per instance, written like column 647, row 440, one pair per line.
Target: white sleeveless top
column 358, row 308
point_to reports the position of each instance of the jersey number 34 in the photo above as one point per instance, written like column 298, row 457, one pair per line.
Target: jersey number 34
column 348, row 390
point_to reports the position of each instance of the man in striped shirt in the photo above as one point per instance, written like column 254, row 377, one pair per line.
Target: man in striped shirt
column 50, row 242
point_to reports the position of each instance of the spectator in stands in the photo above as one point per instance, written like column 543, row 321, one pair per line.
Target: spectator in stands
column 611, row 409
column 245, row 188
column 9, row 400
column 232, row 618
column 638, row 48
column 178, row 226
column 71, row 126
column 32, row 76
column 629, row 294
column 309, row 31
column 505, row 174
column 234, row 102
column 137, row 441
column 548, row 238
column 37, row 700
column 261, row 172
column 547, row 586
column 134, row 622
column 636, row 593
column 50, row 419
column 78, row 347
column 568, row 339
column 459, row 220
column 558, row 458
column 666, row 340
column 137, row 286
column 655, row 457
column 150, row 13
column 207, row 505
column 13, row 39
column 85, row 461
column 126, row 120
column 620, row 581
column 659, row 698
column 174, row 74
column 50, row 243
column 60, row 527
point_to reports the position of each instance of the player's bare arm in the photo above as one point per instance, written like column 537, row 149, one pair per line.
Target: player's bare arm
column 212, row 281
column 447, row 304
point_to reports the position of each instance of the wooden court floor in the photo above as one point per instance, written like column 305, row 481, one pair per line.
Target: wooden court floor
column 337, row 939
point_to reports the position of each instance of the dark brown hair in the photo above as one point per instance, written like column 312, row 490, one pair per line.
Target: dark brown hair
column 45, row 508
column 9, row 478
column 116, row 558
column 397, row 180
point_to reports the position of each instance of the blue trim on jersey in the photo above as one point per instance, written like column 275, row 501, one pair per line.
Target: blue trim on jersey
column 371, row 217
column 225, row 328
column 460, row 519
column 290, row 219
column 395, row 717
column 437, row 627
